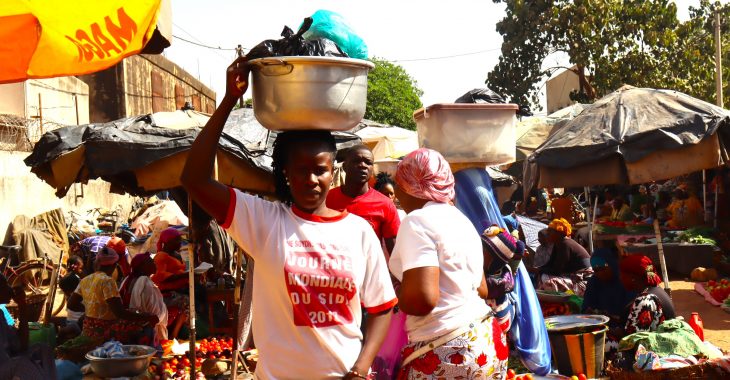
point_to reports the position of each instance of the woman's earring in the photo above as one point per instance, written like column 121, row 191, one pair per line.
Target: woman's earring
column 287, row 181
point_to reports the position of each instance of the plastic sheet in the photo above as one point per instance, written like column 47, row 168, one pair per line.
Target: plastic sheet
column 294, row 44
column 332, row 26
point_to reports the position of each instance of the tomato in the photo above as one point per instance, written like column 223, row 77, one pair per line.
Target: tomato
column 574, row 378
column 511, row 373
column 582, row 377
column 528, row 377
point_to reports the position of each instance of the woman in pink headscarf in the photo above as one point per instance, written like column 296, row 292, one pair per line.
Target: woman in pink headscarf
column 438, row 260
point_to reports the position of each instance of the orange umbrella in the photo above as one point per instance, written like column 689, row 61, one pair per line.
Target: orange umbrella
column 51, row 38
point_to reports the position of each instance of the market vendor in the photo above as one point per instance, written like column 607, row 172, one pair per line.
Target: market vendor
column 171, row 273
column 105, row 316
column 605, row 293
column 569, row 266
column 620, row 211
column 685, row 209
column 356, row 196
column 139, row 293
column 439, row 261
column 316, row 268
column 650, row 307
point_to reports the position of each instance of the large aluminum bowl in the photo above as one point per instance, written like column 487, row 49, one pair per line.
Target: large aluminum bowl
column 292, row 93
column 122, row 367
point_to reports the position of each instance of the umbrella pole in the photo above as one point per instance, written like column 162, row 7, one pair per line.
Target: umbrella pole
column 587, row 192
column 660, row 250
column 191, row 286
column 704, row 196
column 236, row 314
column 717, row 183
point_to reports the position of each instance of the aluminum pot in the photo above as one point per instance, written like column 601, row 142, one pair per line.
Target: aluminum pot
column 309, row 92
column 123, row 367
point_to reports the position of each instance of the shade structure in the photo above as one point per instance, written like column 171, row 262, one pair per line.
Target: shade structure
column 387, row 141
column 145, row 154
column 52, row 38
column 533, row 131
column 632, row 136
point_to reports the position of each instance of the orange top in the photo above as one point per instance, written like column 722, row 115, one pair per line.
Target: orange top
column 166, row 267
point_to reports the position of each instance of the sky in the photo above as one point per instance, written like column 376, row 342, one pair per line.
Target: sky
column 447, row 47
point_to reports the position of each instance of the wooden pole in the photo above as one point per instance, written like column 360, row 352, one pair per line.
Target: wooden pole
column 76, row 105
column 191, row 285
column 660, row 250
column 718, row 86
column 40, row 113
column 236, row 314
column 588, row 218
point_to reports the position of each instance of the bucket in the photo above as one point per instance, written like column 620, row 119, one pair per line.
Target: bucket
column 579, row 351
column 43, row 334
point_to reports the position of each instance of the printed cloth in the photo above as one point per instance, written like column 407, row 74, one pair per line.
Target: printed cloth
column 95, row 289
column 425, row 174
column 572, row 282
column 672, row 337
column 480, row 353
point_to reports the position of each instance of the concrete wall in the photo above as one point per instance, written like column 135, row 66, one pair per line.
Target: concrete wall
column 58, row 99
column 154, row 84
column 22, row 193
column 558, row 90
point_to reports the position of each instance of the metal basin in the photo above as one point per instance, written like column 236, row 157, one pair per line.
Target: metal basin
column 292, row 93
column 123, row 367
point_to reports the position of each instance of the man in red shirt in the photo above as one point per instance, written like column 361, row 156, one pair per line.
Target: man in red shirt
column 356, row 196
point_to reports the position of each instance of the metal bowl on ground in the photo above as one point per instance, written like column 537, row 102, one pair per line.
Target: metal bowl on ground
column 575, row 323
column 294, row 93
column 134, row 365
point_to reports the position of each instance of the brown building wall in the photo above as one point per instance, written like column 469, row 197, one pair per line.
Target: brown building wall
column 143, row 84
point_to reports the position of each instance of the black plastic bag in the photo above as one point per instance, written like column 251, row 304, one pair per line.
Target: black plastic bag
column 485, row 95
column 295, row 45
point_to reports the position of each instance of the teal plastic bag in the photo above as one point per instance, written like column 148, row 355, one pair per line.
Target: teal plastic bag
column 332, row 26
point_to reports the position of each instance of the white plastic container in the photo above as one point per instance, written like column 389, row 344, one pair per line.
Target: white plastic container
column 469, row 135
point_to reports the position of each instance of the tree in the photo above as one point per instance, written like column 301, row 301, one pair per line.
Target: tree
column 392, row 95
column 609, row 43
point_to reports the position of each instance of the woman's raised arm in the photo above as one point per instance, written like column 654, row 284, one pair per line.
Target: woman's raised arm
column 197, row 176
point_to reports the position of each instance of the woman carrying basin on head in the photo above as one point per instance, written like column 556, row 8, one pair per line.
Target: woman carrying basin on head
column 315, row 266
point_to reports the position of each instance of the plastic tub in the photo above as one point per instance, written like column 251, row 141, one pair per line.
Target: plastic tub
column 473, row 135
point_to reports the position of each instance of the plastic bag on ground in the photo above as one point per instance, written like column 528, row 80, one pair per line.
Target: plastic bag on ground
column 295, row 45
column 332, row 26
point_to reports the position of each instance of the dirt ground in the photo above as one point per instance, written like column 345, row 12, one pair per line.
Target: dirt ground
column 715, row 320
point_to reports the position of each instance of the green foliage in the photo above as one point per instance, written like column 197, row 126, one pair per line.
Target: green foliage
column 610, row 43
column 392, row 95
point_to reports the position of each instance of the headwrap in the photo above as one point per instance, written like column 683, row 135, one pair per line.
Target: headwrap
column 138, row 261
column 106, row 256
column 501, row 244
column 425, row 174
column 118, row 245
column 642, row 267
column 167, row 235
column 561, row 225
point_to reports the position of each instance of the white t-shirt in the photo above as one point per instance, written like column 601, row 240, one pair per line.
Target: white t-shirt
column 439, row 235
column 313, row 275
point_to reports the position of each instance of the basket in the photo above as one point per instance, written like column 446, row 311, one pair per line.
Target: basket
column 34, row 307
column 706, row 371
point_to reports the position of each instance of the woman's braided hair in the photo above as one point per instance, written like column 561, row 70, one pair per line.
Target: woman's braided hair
column 284, row 143
column 382, row 179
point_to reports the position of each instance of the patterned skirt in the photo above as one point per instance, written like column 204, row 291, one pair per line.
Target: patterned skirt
column 126, row 332
column 480, row 353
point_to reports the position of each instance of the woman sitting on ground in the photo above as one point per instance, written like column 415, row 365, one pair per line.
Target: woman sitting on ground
column 139, row 293
column 569, row 266
column 317, row 269
column 438, row 259
column 106, row 317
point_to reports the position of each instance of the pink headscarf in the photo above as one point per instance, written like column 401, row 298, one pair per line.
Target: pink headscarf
column 425, row 174
column 167, row 235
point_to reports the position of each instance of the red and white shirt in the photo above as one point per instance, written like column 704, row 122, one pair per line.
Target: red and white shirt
column 313, row 276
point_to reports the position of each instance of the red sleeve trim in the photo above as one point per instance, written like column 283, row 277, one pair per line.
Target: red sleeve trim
column 231, row 209
column 380, row 308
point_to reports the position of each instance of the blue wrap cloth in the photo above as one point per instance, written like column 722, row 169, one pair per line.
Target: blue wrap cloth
column 475, row 199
